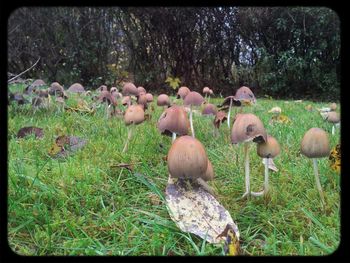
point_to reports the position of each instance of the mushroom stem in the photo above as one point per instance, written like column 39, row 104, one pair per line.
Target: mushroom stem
column 229, row 114
column 127, row 139
column 174, row 137
column 208, row 99
column 191, row 122
column 246, row 169
column 205, row 186
column 333, row 129
column 318, row 184
column 266, row 181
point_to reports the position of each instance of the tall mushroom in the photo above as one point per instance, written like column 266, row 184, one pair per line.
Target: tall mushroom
column 209, row 109
column 174, row 121
column 193, row 99
column 149, row 97
column 267, row 150
column 246, row 128
column 315, row 144
column 107, row 98
column 134, row 115
column 206, row 92
column 187, row 159
column 76, row 88
column 231, row 101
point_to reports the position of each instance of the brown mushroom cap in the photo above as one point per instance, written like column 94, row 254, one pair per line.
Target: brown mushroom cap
column 206, row 90
column 42, row 93
column 245, row 94
column 268, row 149
column 106, row 96
column 134, row 114
column 247, row 127
column 209, row 173
column 333, row 117
column 113, row 89
column 333, row 106
column 149, row 97
column 76, row 88
column 211, row 92
column 174, row 120
column 141, row 90
column 187, row 158
column 142, row 99
column 182, row 92
column 56, row 88
column 129, row 89
column 163, row 100
column 193, row 98
column 209, row 109
column 315, row 143
column 38, row 83
column 227, row 101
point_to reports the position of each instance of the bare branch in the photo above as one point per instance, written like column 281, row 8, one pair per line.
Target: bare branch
column 23, row 71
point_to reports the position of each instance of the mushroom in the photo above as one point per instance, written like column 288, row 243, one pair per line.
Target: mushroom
column 182, row 92
column 142, row 99
column 209, row 109
column 163, row 100
column 134, row 114
column 245, row 95
column 174, row 121
column 206, row 92
column 149, row 97
column 56, row 89
column 76, row 88
column 268, row 149
column 315, row 144
column 220, row 117
column 188, row 160
column 141, row 90
column 102, row 88
column 193, row 99
column 247, row 128
column 334, row 118
column 126, row 100
column 32, row 87
column 333, row 106
column 231, row 101
column 129, row 89
column 106, row 97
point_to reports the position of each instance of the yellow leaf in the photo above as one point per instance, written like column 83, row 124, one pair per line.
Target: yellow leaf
column 55, row 149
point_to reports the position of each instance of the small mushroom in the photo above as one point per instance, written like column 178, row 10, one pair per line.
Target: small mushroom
column 209, row 109
column 34, row 86
column 76, row 88
column 163, row 100
column 182, row 92
column 126, row 100
column 134, row 114
column 141, row 90
column 247, row 128
column 129, row 89
column 188, row 160
column 334, row 118
column 315, row 144
column 56, row 89
column 245, row 96
column 102, row 88
column 220, row 117
column 268, row 149
column 193, row 99
column 107, row 98
column 333, row 106
column 142, row 99
column 149, row 97
column 174, row 121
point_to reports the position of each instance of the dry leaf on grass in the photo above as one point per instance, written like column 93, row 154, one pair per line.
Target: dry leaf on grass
column 196, row 211
column 65, row 145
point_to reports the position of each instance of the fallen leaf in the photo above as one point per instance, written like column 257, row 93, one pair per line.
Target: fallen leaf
column 220, row 117
column 65, row 145
column 275, row 110
column 154, row 199
column 196, row 211
column 26, row 131
column 232, row 246
column 280, row 119
column 335, row 158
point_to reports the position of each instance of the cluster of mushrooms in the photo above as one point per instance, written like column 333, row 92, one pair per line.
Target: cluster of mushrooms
column 187, row 158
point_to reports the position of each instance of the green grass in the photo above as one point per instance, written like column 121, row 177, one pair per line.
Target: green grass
column 82, row 205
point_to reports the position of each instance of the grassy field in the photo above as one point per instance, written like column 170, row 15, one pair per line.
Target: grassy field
column 84, row 205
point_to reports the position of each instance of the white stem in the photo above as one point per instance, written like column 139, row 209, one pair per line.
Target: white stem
column 174, row 137
column 127, row 139
column 229, row 114
column 318, row 184
column 191, row 122
column 333, row 130
column 266, row 182
column 246, row 168
column 208, row 99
